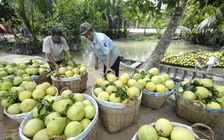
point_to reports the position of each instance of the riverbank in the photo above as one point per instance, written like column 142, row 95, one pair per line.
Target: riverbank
column 9, row 127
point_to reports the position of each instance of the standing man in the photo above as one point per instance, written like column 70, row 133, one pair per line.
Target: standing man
column 103, row 48
column 55, row 47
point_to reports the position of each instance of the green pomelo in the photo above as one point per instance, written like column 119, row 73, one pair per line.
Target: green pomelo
column 14, row 109
column 133, row 92
column 32, row 127
column 202, row 92
column 26, row 94
column 170, row 84
column 85, row 123
column 50, row 117
column 52, row 90
column 103, row 95
column 150, row 86
column 60, row 105
column 147, row 132
column 111, row 89
column 181, row 133
column 79, row 97
column 90, row 112
column 27, row 105
column 56, row 126
column 161, row 88
column 213, row 105
column 38, row 94
column 30, row 86
column 75, row 113
column 73, row 129
column 189, row 95
column 41, row 135
column 114, row 99
column 164, row 127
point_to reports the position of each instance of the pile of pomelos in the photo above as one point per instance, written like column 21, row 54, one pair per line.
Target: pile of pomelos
column 68, row 116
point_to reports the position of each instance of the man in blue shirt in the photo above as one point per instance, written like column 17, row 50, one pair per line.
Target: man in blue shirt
column 103, row 48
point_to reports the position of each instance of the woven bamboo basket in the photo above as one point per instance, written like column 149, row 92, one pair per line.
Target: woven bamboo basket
column 117, row 116
column 76, row 84
column 197, row 114
column 153, row 99
column 198, row 130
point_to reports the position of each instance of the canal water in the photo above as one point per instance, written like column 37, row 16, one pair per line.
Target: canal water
column 136, row 50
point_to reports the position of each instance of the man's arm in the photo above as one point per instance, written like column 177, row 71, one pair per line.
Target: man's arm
column 96, row 63
column 49, row 56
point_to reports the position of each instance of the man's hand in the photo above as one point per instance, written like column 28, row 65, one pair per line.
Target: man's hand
column 110, row 70
column 57, row 67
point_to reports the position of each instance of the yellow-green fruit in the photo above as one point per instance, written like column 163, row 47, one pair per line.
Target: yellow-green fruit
column 150, row 86
column 25, row 95
column 52, row 90
column 7, row 102
column 147, row 132
column 137, row 76
column 38, row 94
column 213, row 105
column 156, row 80
column 220, row 90
column 202, row 92
column 185, row 82
column 79, row 97
column 189, row 95
column 170, row 84
column 133, row 92
column 41, row 135
column 154, row 71
column 181, row 133
column 114, row 99
column 161, row 88
column 85, row 123
column 111, row 89
column 32, row 127
column 27, row 105
column 51, row 116
column 90, row 112
column 75, row 113
column 207, row 82
column 60, row 106
column 30, row 86
column 17, row 80
column 14, row 109
column 164, row 127
column 56, row 126
column 73, row 129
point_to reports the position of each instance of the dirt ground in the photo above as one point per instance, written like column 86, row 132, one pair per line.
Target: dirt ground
column 9, row 127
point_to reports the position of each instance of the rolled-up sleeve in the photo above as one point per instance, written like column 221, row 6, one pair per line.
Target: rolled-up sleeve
column 46, row 46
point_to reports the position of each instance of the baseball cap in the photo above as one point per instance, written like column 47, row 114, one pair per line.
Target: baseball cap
column 84, row 28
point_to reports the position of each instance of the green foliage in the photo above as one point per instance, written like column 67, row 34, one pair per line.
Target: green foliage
column 205, row 19
column 68, row 15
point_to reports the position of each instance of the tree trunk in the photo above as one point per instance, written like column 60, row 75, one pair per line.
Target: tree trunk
column 162, row 46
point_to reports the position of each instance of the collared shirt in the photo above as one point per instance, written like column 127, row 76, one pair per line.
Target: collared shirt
column 103, row 45
column 56, row 50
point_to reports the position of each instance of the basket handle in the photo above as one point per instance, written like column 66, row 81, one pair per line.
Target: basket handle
column 196, row 101
column 132, row 100
column 203, row 131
